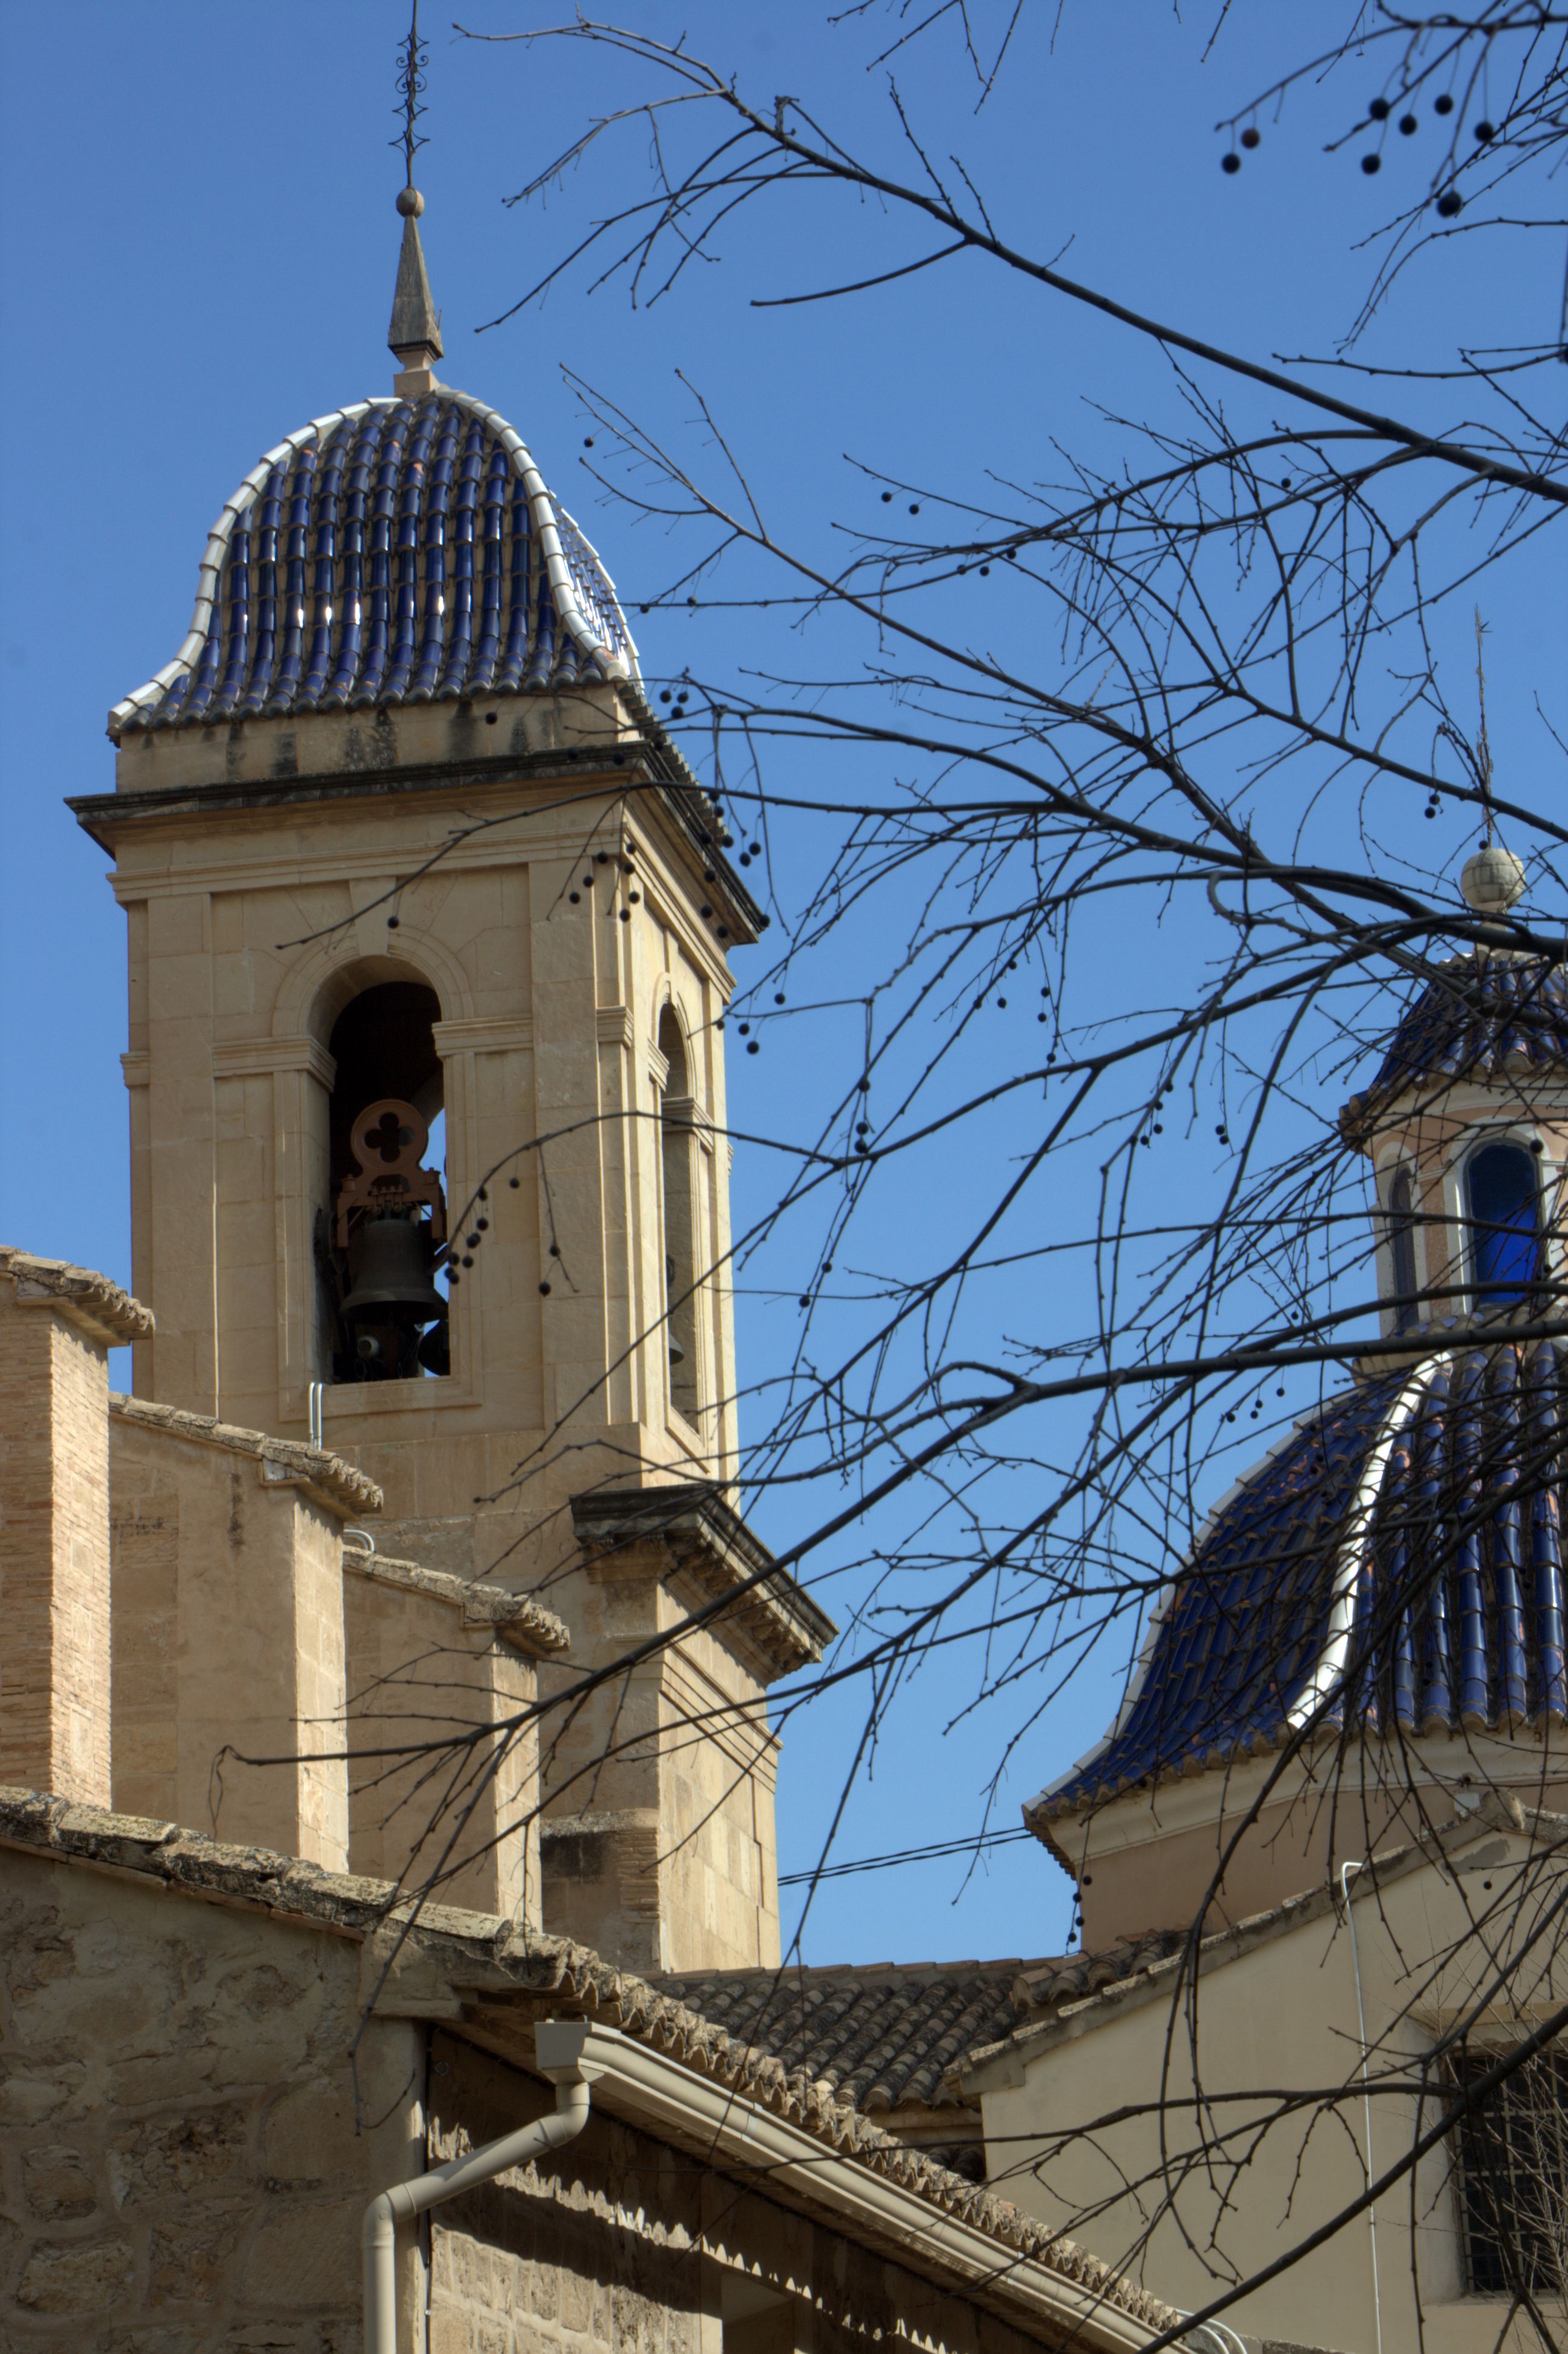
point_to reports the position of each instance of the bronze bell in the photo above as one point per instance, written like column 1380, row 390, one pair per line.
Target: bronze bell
column 389, row 1262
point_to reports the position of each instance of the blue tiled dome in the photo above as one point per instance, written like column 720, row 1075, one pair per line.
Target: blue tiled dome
column 1481, row 1013
column 1396, row 1565
column 395, row 552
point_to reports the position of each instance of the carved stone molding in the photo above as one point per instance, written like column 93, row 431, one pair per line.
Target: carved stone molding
column 686, row 1533
column 246, row 1058
column 479, row 1035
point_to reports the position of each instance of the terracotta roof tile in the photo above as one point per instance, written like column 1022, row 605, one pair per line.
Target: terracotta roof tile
column 879, row 2035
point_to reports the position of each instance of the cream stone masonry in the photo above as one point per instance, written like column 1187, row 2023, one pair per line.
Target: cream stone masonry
column 227, row 851
column 229, row 1638
column 660, row 1844
column 1423, row 1131
column 433, row 1660
column 57, row 1323
column 224, row 858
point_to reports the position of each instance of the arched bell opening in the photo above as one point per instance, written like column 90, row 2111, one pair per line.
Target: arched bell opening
column 384, row 1236
column 675, row 1141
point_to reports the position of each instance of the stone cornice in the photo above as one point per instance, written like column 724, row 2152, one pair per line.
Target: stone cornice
column 614, row 1026
column 701, row 1546
column 649, row 766
column 338, row 1486
column 515, row 1618
column 96, row 1307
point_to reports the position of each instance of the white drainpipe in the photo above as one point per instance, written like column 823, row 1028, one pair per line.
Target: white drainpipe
column 558, row 2046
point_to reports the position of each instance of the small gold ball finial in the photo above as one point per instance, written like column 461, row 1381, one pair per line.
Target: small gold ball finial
column 1492, row 881
column 411, row 203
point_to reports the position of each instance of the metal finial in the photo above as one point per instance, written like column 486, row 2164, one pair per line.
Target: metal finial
column 1483, row 749
column 415, row 333
column 1493, row 880
column 412, row 58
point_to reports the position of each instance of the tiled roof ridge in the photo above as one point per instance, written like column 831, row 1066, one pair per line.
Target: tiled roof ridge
column 580, row 593
column 341, row 1482
column 113, row 1314
column 1497, row 1810
column 481, row 1952
column 1054, row 1983
column 821, row 1973
column 517, row 1616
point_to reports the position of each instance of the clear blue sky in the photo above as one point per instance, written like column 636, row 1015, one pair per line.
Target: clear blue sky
column 199, row 253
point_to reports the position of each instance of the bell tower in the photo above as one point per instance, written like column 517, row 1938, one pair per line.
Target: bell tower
column 430, row 938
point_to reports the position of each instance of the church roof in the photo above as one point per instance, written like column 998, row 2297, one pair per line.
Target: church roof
column 1395, row 1562
column 397, row 551
column 884, row 2034
column 1481, row 1013
column 879, row 2035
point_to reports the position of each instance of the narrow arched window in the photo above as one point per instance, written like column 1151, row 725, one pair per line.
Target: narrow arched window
column 1401, row 1251
column 680, row 1218
column 1505, row 1233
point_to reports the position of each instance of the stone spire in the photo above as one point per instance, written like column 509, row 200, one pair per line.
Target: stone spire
column 415, row 333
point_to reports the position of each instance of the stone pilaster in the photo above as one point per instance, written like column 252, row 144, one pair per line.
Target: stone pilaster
column 57, row 1323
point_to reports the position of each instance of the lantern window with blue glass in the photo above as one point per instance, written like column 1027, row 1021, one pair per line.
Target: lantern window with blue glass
column 1502, row 1223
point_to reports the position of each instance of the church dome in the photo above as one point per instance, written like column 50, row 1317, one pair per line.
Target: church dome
column 1395, row 1563
column 403, row 550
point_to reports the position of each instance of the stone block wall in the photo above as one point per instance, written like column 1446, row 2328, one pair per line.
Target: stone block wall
column 659, row 1849
column 56, row 1325
column 179, row 2168
column 198, row 2104
column 53, row 1557
column 229, row 1629
column 432, row 1657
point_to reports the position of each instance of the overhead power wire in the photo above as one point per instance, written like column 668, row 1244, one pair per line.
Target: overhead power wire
column 983, row 1842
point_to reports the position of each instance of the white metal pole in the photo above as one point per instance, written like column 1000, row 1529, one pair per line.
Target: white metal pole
column 1345, row 1871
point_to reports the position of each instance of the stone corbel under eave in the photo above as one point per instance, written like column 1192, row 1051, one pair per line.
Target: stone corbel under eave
column 703, row 1549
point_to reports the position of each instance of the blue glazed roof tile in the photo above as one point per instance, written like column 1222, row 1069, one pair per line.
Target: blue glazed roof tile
column 395, row 552
column 1478, row 1015
column 1397, row 1564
